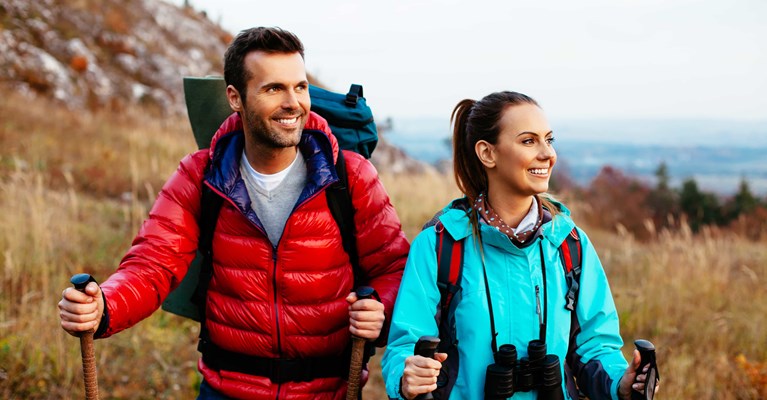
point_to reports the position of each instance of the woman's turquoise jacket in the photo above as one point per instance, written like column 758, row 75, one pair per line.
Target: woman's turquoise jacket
column 516, row 285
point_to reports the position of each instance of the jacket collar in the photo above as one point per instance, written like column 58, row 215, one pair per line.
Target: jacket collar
column 224, row 174
column 455, row 218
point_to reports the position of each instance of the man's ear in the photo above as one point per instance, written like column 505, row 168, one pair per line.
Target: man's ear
column 233, row 96
column 486, row 153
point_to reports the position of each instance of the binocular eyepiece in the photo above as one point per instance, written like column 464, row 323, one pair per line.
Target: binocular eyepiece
column 538, row 371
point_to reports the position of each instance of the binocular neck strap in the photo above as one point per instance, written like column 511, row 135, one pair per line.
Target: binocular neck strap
column 493, row 332
column 543, row 321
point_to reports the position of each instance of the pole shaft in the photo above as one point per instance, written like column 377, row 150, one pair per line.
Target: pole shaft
column 89, row 366
column 355, row 368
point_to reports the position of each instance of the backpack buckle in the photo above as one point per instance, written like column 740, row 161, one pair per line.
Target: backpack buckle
column 439, row 227
column 355, row 92
column 282, row 370
column 351, row 99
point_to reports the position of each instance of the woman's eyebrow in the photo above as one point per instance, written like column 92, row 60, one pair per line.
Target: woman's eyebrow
column 534, row 133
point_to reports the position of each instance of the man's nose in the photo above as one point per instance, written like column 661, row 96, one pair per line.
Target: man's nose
column 290, row 101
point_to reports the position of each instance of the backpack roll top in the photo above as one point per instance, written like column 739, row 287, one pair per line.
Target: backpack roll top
column 349, row 117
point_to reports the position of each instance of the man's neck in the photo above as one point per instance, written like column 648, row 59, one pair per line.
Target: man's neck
column 269, row 160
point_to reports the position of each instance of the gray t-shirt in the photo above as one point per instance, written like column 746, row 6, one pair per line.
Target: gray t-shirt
column 273, row 205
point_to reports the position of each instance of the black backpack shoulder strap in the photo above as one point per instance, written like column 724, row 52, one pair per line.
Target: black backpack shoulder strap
column 570, row 251
column 342, row 209
column 340, row 204
column 210, row 206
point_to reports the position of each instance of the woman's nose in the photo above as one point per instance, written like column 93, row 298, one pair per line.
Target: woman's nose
column 546, row 151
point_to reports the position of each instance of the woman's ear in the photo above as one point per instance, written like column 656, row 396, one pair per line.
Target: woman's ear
column 233, row 96
column 486, row 153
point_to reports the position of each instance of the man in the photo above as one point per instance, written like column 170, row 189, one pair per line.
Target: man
column 279, row 312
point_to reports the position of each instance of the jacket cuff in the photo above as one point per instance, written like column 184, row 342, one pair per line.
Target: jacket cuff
column 615, row 387
column 104, row 323
column 399, row 390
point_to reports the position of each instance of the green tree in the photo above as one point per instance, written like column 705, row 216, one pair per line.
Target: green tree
column 744, row 201
column 662, row 201
column 662, row 175
column 701, row 208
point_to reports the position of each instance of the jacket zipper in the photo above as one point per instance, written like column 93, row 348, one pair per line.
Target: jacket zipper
column 276, row 304
column 538, row 305
column 276, row 312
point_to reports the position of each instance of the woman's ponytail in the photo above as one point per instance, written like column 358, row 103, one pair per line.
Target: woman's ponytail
column 469, row 175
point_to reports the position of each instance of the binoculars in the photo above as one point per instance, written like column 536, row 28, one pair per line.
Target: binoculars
column 538, row 371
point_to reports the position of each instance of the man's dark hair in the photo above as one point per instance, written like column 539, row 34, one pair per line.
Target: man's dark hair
column 268, row 40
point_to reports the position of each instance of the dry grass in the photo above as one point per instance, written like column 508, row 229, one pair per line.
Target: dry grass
column 701, row 300
column 75, row 187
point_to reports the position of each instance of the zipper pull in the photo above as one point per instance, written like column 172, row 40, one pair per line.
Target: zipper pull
column 538, row 304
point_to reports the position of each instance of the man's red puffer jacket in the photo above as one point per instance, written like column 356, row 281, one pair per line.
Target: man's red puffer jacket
column 286, row 301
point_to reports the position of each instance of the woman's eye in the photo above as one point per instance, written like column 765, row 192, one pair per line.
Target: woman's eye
column 527, row 141
column 551, row 140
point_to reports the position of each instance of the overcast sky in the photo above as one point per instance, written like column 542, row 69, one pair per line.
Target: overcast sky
column 579, row 59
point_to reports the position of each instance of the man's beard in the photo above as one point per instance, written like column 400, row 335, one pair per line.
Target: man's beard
column 265, row 134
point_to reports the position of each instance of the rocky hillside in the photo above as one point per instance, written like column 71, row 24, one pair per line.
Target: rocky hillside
column 95, row 53
column 112, row 53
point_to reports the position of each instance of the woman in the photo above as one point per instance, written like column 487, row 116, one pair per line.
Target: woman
column 513, row 285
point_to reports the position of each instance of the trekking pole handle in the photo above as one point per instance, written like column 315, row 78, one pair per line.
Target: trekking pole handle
column 80, row 281
column 426, row 347
column 358, row 351
column 647, row 354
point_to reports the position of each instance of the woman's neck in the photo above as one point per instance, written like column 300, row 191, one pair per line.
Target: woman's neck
column 512, row 209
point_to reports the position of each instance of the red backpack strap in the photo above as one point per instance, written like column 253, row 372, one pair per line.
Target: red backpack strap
column 449, row 271
column 570, row 251
column 449, row 266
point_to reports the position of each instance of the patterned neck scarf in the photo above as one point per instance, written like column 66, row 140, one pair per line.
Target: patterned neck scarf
column 482, row 206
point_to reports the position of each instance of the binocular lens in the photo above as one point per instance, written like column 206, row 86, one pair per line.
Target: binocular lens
column 536, row 352
column 499, row 382
column 506, row 355
column 551, row 379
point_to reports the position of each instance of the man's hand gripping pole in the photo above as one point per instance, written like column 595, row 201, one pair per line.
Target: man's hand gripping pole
column 80, row 281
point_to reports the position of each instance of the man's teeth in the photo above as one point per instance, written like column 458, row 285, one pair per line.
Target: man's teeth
column 287, row 121
column 539, row 171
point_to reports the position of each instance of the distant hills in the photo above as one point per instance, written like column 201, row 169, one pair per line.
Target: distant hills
column 716, row 153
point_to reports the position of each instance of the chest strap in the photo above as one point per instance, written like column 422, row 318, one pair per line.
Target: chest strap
column 278, row 370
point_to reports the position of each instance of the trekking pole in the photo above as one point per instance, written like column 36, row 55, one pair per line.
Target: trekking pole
column 358, row 352
column 86, row 346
